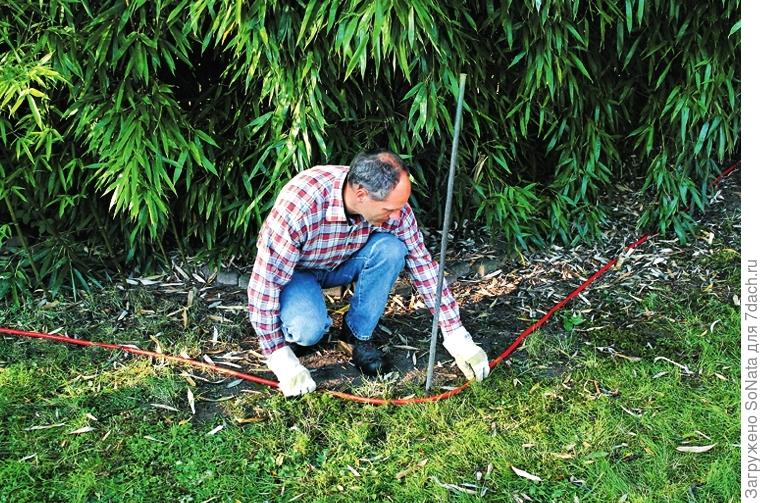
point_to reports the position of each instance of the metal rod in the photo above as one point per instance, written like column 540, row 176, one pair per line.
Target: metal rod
column 444, row 234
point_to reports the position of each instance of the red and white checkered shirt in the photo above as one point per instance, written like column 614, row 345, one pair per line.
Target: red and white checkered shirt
column 308, row 229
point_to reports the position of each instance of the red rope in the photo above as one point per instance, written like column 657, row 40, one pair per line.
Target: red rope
column 142, row 352
column 339, row 394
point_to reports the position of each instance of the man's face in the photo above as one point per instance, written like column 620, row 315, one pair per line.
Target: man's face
column 378, row 212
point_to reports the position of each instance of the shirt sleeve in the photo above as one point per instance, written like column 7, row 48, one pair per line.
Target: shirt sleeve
column 278, row 251
column 423, row 271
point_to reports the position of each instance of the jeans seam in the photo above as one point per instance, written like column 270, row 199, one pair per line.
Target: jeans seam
column 358, row 296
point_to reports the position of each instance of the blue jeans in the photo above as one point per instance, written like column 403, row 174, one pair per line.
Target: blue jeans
column 374, row 268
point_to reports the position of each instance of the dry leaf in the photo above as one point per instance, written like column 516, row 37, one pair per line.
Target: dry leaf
column 162, row 406
column 44, row 427
column 234, row 383
column 695, row 449
column 562, row 455
column 684, row 368
column 216, row 430
column 84, row 429
column 220, row 399
column 525, row 475
column 627, row 357
column 191, row 401
column 246, row 420
column 344, row 347
column 158, row 345
column 409, row 470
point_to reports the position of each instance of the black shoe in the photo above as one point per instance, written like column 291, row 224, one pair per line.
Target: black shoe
column 365, row 355
column 300, row 351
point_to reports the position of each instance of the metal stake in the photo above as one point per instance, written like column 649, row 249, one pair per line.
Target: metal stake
column 444, row 234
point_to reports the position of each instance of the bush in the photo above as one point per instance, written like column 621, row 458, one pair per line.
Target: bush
column 129, row 127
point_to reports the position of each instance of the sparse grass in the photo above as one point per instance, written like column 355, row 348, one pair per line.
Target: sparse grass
column 597, row 428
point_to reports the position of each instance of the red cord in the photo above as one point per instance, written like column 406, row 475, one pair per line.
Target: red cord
column 339, row 394
column 142, row 352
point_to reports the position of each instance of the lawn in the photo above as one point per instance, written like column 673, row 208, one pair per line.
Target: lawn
column 568, row 418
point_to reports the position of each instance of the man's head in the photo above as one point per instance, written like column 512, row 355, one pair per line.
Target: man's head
column 377, row 186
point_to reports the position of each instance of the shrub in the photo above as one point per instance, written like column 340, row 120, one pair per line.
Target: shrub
column 129, row 127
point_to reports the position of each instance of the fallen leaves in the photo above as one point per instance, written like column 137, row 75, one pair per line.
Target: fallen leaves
column 249, row 420
column 525, row 474
column 233, row 383
column 84, row 429
column 215, row 430
column 412, row 468
column 165, row 407
column 191, row 401
column 562, row 455
column 684, row 368
column 454, row 487
column 45, row 426
column 695, row 449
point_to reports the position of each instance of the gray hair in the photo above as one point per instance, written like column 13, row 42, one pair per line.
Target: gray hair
column 378, row 172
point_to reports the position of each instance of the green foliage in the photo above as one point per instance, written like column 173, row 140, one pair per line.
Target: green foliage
column 571, row 321
column 126, row 126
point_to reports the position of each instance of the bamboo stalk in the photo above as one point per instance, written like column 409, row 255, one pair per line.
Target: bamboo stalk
column 103, row 235
column 25, row 245
column 180, row 247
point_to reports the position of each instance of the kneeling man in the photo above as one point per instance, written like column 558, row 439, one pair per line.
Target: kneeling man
column 331, row 226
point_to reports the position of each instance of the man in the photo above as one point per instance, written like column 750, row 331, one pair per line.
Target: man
column 334, row 225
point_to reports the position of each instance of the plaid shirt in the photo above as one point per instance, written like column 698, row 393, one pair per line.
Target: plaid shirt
column 308, row 229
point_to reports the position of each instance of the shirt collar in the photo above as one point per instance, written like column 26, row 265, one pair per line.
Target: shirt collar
column 336, row 210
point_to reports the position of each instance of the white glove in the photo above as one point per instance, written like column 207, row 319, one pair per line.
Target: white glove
column 471, row 359
column 294, row 378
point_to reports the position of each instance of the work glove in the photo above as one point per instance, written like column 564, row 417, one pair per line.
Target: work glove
column 294, row 378
column 471, row 359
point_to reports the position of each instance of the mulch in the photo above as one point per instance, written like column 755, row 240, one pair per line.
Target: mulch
column 500, row 294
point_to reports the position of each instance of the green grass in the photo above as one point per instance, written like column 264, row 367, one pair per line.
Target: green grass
column 593, row 426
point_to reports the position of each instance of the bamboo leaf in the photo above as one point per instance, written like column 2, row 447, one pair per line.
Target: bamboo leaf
column 311, row 4
column 577, row 62
column 35, row 111
column 735, row 28
column 701, row 138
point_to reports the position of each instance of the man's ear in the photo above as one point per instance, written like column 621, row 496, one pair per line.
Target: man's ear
column 361, row 193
